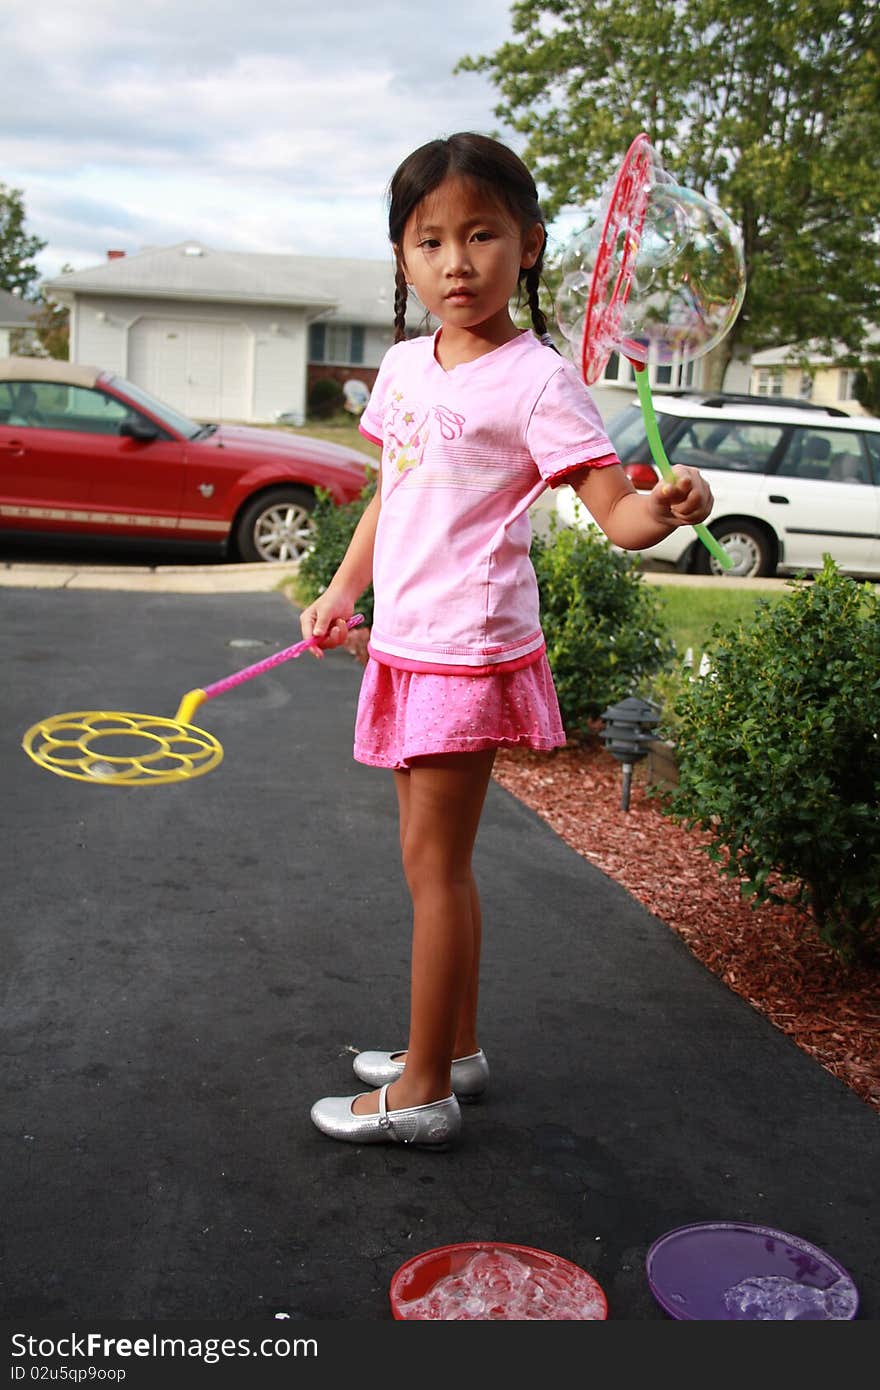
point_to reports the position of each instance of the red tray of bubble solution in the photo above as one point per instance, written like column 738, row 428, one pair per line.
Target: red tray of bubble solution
column 489, row 1281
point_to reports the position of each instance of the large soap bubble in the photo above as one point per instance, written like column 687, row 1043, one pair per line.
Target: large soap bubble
column 656, row 272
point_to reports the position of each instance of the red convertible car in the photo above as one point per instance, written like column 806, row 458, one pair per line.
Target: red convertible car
column 83, row 452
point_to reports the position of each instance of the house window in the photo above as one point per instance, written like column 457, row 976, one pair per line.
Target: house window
column 769, row 381
column 337, row 343
column 846, row 385
column 619, row 372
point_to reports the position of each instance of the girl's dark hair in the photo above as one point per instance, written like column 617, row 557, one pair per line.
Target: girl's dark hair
column 496, row 170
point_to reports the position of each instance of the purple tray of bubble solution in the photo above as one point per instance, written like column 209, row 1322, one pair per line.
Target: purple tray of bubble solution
column 732, row 1271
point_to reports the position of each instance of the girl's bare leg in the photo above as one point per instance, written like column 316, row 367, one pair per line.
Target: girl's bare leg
column 466, row 1043
column 441, row 800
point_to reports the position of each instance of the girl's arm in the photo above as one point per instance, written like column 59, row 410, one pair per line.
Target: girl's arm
column 327, row 616
column 635, row 520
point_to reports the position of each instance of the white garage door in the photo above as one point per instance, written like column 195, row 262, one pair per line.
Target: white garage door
column 201, row 368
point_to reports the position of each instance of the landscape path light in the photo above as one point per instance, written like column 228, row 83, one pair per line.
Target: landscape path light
column 627, row 733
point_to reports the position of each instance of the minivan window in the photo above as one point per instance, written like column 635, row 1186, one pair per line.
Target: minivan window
column 833, row 456
column 737, row 446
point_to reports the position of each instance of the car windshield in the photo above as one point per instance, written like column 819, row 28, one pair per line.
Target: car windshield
column 179, row 423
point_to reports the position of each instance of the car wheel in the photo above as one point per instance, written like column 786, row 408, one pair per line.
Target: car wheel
column 748, row 546
column 276, row 526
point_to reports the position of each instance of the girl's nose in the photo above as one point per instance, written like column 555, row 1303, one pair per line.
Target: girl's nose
column 458, row 261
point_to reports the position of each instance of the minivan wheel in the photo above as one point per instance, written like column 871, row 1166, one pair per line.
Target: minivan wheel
column 276, row 526
column 747, row 545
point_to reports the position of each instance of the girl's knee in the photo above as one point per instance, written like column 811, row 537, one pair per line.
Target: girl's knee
column 429, row 867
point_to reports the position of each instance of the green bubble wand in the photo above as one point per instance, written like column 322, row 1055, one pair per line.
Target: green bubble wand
column 712, row 544
column 596, row 331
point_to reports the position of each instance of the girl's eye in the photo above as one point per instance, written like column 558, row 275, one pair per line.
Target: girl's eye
column 482, row 236
column 428, row 244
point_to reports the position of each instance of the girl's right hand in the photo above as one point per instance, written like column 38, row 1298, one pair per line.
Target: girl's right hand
column 327, row 620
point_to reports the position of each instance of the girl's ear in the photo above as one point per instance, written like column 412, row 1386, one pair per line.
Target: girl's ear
column 533, row 245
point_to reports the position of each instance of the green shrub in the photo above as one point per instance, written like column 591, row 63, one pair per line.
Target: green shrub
column 603, row 625
column 333, row 529
column 779, row 757
column 326, row 397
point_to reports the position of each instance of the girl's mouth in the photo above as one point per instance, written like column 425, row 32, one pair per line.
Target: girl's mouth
column 460, row 295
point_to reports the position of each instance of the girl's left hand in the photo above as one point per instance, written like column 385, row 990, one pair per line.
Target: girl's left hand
column 682, row 503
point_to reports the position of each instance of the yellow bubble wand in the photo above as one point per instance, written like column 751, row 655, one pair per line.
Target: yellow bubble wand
column 142, row 750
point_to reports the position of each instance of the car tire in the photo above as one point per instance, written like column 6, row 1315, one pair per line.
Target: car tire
column 751, row 549
column 276, row 526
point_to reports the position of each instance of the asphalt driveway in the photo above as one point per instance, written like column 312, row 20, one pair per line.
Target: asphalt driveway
column 186, row 968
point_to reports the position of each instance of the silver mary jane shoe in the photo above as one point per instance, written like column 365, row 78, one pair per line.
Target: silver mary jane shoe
column 470, row 1075
column 435, row 1125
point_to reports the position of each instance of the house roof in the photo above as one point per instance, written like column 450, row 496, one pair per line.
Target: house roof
column 15, row 312
column 357, row 291
column 792, row 354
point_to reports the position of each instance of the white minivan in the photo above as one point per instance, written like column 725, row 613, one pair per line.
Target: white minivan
column 791, row 482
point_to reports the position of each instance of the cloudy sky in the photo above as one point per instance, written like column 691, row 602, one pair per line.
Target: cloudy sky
column 251, row 125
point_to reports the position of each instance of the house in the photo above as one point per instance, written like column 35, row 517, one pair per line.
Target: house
column 810, row 374
column 15, row 321
column 230, row 335
column 616, row 388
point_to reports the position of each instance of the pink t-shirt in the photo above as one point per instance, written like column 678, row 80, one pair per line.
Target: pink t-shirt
column 465, row 454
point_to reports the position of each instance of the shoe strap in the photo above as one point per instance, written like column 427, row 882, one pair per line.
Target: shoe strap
column 384, row 1117
column 385, row 1120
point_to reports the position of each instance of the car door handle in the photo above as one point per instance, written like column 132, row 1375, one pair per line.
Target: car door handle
column 14, row 446
column 777, row 497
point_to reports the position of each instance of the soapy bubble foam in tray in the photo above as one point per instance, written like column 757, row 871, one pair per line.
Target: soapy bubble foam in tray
column 484, row 1281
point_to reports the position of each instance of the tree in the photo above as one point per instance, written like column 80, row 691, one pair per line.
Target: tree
column 50, row 323
column 18, row 270
column 771, row 108
column 867, row 386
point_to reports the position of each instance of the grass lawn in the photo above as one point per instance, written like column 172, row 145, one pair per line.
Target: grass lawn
column 692, row 613
column 340, row 429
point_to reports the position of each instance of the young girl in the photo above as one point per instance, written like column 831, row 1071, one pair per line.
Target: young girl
column 474, row 423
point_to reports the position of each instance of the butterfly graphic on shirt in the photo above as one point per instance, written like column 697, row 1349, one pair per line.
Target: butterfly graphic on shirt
column 408, row 426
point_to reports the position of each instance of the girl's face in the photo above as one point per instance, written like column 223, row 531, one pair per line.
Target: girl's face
column 462, row 252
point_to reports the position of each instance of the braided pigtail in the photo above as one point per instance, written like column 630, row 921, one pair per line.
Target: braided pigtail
column 400, row 292
column 532, row 281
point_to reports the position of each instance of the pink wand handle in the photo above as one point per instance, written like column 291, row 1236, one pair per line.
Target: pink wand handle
column 248, row 673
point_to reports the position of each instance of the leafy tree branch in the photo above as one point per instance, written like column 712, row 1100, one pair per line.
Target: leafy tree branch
column 769, row 107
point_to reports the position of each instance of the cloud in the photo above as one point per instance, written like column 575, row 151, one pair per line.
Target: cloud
column 270, row 127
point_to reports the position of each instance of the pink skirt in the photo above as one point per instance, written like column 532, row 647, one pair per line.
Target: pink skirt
column 410, row 714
